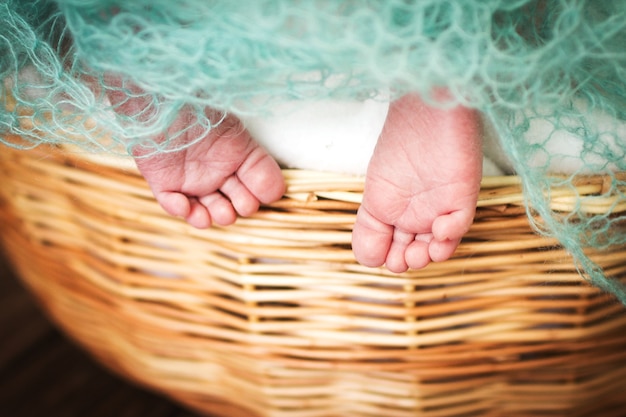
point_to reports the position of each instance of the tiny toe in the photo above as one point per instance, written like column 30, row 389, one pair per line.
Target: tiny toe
column 220, row 209
column 371, row 239
column 417, row 255
column 454, row 225
column 440, row 251
column 198, row 216
column 174, row 203
column 240, row 197
column 262, row 176
column 396, row 257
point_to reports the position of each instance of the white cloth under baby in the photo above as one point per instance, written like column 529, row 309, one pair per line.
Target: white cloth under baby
column 327, row 135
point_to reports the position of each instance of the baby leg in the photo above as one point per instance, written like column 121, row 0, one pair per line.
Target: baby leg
column 421, row 186
column 224, row 174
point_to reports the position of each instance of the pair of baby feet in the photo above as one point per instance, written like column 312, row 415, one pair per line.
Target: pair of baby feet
column 420, row 193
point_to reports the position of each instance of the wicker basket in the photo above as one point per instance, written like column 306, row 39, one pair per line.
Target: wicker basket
column 272, row 316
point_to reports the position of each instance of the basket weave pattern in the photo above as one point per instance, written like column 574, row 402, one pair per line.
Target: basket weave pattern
column 272, row 316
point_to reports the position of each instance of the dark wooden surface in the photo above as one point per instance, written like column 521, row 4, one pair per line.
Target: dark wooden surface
column 42, row 373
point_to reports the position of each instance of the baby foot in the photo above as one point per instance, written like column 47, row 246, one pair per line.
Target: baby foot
column 225, row 174
column 421, row 186
column 211, row 181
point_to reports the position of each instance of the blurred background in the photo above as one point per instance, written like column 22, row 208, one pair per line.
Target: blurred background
column 42, row 373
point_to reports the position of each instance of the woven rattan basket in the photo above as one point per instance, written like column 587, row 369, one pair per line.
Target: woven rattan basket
column 272, row 316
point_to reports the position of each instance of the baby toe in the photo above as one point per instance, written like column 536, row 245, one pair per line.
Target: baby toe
column 262, row 176
column 242, row 200
column 371, row 239
column 174, row 203
column 219, row 208
column 198, row 215
column 396, row 257
column 417, row 254
column 454, row 225
column 440, row 251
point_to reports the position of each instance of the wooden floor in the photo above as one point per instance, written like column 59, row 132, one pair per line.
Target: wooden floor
column 44, row 374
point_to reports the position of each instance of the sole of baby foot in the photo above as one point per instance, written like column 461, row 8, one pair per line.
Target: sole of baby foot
column 421, row 187
column 214, row 180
